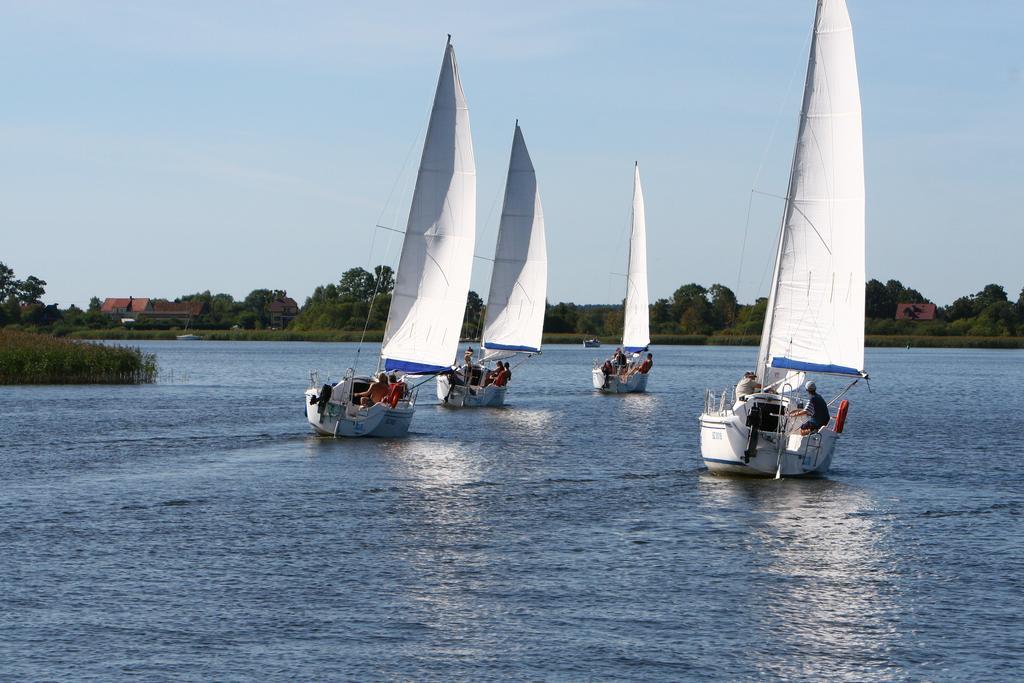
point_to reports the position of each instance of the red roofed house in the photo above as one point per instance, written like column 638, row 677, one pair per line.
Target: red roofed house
column 119, row 309
column 152, row 309
column 180, row 310
column 915, row 311
column 283, row 310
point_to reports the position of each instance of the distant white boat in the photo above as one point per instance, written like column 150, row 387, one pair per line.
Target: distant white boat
column 186, row 335
column 815, row 317
column 591, row 343
column 432, row 282
column 516, row 302
column 626, row 374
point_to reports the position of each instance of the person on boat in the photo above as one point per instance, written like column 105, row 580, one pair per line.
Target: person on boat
column 816, row 411
column 747, row 386
column 501, row 376
column 508, row 373
column 454, row 380
column 468, row 369
column 375, row 393
column 395, row 385
column 619, row 358
column 643, row 368
column 608, row 370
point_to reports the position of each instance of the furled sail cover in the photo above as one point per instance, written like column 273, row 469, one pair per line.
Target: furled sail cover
column 815, row 320
column 519, row 281
column 636, row 333
column 429, row 299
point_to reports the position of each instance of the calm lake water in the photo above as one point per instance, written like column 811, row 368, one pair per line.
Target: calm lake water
column 196, row 529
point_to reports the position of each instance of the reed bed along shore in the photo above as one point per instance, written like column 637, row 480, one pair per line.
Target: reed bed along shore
column 29, row 358
column 374, row 336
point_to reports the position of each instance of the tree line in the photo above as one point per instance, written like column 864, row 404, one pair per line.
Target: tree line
column 360, row 299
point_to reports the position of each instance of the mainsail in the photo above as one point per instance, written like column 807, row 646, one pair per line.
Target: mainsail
column 429, row 299
column 815, row 315
column 516, row 301
column 636, row 335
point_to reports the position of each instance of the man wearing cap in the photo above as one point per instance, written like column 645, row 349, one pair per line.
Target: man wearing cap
column 747, row 386
column 816, row 411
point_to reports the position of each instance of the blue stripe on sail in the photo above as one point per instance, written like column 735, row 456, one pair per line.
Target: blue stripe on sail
column 508, row 347
column 635, row 349
column 413, row 368
column 787, row 364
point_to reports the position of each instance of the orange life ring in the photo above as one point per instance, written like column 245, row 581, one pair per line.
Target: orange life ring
column 395, row 393
column 844, row 407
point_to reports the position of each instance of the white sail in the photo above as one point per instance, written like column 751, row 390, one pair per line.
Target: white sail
column 429, row 299
column 519, row 281
column 636, row 334
column 815, row 317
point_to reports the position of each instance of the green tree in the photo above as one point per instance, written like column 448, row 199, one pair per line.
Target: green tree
column 997, row 319
column 472, row 321
column 383, row 279
column 560, row 318
column 750, row 319
column 723, row 306
column 692, row 310
column 247, row 319
column 880, row 301
column 27, row 291
column 74, row 316
column 661, row 316
column 991, row 294
column 356, row 284
column 379, row 312
column 95, row 304
column 961, row 309
column 12, row 311
column 876, row 300
column 8, row 283
column 324, row 294
column 258, row 303
column 973, row 305
column 612, row 320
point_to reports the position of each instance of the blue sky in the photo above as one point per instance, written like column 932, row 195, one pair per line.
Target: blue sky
column 160, row 148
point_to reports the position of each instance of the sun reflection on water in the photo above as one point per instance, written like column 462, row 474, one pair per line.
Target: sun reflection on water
column 820, row 573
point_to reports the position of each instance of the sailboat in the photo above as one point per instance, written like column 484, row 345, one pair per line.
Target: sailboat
column 429, row 299
column 516, row 302
column 627, row 373
column 185, row 334
column 814, row 322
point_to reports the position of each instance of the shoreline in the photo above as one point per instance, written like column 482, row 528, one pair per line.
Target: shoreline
column 870, row 341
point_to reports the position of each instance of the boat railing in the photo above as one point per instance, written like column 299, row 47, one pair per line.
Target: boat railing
column 717, row 403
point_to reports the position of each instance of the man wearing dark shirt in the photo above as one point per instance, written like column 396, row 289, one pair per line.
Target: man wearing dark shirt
column 816, row 411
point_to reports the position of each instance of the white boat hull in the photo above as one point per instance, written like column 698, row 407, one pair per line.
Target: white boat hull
column 345, row 420
column 614, row 384
column 459, row 396
column 724, row 438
